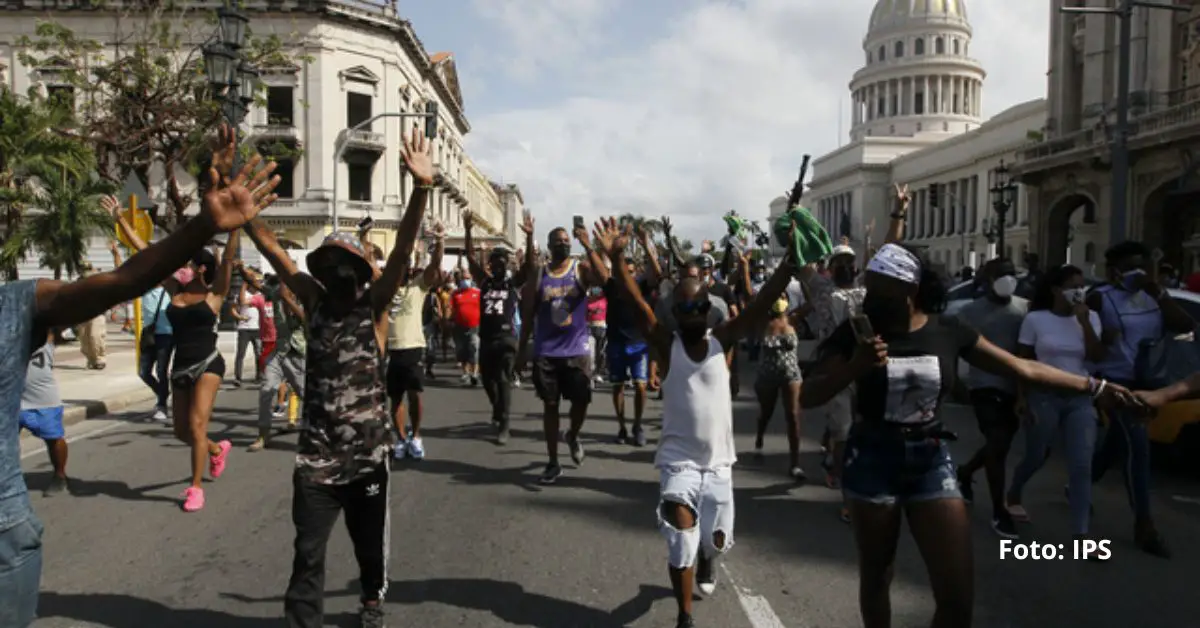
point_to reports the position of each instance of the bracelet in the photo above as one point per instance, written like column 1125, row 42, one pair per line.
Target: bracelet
column 900, row 215
column 1098, row 388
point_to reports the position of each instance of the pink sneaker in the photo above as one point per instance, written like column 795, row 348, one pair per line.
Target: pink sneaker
column 193, row 499
column 216, row 464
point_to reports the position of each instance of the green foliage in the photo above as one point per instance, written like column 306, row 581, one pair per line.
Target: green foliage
column 35, row 144
column 143, row 100
column 70, row 214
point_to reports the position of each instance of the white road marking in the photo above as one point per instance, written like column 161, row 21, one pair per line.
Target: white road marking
column 33, row 451
column 1184, row 499
column 758, row 610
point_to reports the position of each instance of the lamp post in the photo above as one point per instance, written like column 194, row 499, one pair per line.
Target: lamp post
column 988, row 229
column 232, row 79
column 1120, row 133
column 1004, row 195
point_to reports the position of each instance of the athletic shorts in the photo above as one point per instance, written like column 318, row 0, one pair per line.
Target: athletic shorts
column 43, row 423
column 405, row 372
column 628, row 362
column 995, row 408
column 466, row 344
column 563, row 378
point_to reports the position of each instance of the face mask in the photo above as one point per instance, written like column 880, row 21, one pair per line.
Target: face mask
column 1130, row 278
column 1075, row 296
column 560, row 251
column 887, row 314
column 1005, row 286
column 844, row 274
column 693, row 331
column 464, row 284
column 340, row 282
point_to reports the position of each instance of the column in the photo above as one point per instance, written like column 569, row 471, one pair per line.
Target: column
column 938, row 88
column 887, row 99
column 912, row 96
column 928, row 101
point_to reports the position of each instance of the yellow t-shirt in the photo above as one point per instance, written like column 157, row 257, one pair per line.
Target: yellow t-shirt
column 404, row 320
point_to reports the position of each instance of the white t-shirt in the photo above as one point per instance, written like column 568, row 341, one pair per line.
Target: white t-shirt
column 251, row 313
column 794, row 294
column 1057, row 340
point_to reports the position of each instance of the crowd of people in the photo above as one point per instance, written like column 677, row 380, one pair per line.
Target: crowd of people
column 356, row 335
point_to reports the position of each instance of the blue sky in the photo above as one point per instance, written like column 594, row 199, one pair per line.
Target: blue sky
column 681, row 107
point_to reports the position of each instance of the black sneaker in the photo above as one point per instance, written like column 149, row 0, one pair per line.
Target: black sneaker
column 577, row 452
column 550, row 474
column 706, row 575
column 639, row 437
column 966, row 486
column 371, row 617
column 622, row 437
column 685, row 621
column 1004, row 526
column 57, row 486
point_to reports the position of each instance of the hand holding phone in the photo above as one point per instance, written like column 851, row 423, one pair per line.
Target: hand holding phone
column 579, row 223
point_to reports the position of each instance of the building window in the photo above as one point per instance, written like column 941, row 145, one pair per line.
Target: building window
column 286, row 170
column 957, row 44
column 899, row 49
column 870, row 57
column 895, row 110
column 281, row 106
column 61, row 96
column 939, row 46
column 358, row 109
column 360, row 182
column 919, row 46
column 882, row 53
column 1089, row 214
column 882, row 107
column 919, row 104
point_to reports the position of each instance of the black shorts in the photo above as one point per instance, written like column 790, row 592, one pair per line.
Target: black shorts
column 405, row 372
column 563, row 378
column 187, row 375
column 995, row 408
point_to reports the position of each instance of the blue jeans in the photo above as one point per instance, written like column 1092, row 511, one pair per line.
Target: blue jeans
column 1126, row 438
column 884, row 466
column 154, row 364
column 20, row 572
column 1075, row 416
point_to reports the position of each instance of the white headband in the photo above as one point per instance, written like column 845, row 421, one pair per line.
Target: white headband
column 896, row 262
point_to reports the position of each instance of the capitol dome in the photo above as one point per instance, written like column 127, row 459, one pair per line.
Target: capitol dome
column 918, row 77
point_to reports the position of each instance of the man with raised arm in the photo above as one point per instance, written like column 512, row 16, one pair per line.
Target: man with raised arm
column 29, row 308
column 696, row 450
column 342, row 458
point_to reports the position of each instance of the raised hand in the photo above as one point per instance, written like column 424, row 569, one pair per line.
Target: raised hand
column 416, row 154
column 224, row 152
column 438, row 231
column 111, row 205
column 611, row 237
column 231, row 207
column 527, row 224
column 666, row 226
column 902, row 194
column 468, row 218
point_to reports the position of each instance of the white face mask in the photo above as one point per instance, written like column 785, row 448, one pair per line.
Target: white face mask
column 1075, row 296
column 1005, row 286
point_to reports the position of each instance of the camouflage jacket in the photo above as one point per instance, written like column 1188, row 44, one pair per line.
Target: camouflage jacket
column 346, row 432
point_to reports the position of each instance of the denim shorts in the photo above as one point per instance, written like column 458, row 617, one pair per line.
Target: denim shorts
column 628, row 362
column 884, row 466
column 20, row 572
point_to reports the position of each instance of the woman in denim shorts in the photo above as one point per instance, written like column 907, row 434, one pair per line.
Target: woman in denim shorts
column 902, row 355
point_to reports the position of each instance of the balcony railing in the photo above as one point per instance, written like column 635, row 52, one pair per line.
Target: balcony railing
column 366, row 140
column 279, row 132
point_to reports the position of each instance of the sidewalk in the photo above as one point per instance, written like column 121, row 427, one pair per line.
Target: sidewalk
column 87, row 393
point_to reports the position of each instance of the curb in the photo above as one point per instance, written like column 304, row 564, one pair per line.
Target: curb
column 79, row 411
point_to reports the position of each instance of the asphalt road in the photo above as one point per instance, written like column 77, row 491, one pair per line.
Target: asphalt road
column 477, row 543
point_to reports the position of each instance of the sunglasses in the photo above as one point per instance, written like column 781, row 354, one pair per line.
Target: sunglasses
column 700, row 306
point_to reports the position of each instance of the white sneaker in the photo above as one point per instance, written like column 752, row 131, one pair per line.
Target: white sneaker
column 516, row 382
column 160, row 414
column 416, row 449
column 465, row 379
column 400, row 451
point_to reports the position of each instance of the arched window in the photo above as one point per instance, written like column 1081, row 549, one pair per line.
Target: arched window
column 882, row 53
column 870, row 57
column 939, row 46
column 899, row 49
column 919, row 47
column 956, row 46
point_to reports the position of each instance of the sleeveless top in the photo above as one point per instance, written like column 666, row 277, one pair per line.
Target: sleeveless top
column 779, row 360
column 1137, row 316
column 41, row 389
column 697, row 423
column 498, row 321
column 194, row 331
column 17, row 310
column 347, row 432
column 560, row 326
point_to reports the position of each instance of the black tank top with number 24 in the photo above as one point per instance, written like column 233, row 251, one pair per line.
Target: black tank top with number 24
column 497, row 320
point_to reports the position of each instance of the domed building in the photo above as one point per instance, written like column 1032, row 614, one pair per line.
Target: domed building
column 917, row 119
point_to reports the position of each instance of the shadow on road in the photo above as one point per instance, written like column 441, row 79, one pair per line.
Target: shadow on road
column 125, row 611
column 110, row 488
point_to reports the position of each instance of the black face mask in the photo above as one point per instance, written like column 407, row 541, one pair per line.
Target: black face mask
column 560, row 251
column 693, row 331
column 341, row 282
column 888, row 315
column 843, row 275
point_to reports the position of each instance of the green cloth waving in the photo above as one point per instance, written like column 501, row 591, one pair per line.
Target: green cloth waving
column 810, row 241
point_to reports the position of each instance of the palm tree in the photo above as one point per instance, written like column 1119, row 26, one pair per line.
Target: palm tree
column 67, row 215
column 33, row 140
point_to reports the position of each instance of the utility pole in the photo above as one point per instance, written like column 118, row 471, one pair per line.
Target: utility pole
column 1118, row 216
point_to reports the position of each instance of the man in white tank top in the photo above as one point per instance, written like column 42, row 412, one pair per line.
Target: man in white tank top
column 696, row 451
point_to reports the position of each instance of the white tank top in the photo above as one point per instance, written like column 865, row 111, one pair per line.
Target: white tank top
column 697, row 426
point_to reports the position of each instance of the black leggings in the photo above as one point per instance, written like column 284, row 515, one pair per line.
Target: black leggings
column 496, row 364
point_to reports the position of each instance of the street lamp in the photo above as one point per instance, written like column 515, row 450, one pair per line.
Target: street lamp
column 232, row 79
column 1120, row 133
column 1004, row 196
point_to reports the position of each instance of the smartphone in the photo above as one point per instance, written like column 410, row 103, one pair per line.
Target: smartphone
column 579, row 224
column 862, row 328
column 365, row 223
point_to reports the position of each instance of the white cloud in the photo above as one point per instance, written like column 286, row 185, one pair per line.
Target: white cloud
column 711, row 113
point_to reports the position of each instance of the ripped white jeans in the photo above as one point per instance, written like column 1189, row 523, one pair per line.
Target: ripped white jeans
column 708, row 493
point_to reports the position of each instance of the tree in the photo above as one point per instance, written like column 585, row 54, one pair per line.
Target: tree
column 143, row 100
column 32, row 144
column 69, row 215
